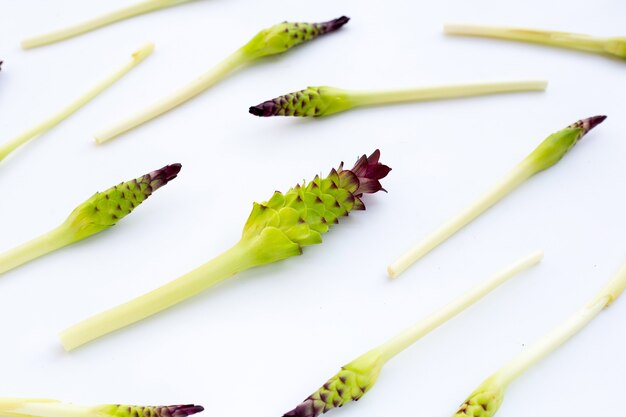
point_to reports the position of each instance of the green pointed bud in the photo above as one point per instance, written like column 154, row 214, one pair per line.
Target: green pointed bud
column 105, row 209
column 284, row 36
column 276, row 229
column 19, row 407
column 274, row 40
column 100, row 212
column 324, row 101
column 548, row 153
column 484, row 402
column 555, row 146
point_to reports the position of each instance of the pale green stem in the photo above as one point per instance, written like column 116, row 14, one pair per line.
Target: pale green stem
column 545, row 37
column 369, row 98
column 511, row 181
column 126, row 12
column 189, row 91
column 52, row 121
column 49, row 242
column 220, row 268
column 411, row 335
column 563, row 333
column 41, row 408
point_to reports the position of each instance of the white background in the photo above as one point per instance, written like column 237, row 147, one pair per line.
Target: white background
column 261, row 343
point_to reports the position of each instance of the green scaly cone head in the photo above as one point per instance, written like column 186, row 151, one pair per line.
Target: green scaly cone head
column 105, row 209
column 149, row 411
column 312, row 102
column 350, row 384
column 279, row 228
column 284, row 36
column 484, row 402
column 555, row 146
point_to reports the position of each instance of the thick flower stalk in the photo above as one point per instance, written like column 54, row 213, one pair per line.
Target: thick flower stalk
column 100, row 212
column 20, row 407
column 136, row 9
column 276, row 229
column 272, row 41
column 358, row 377
column 487, row 398
column 615, row 46
column 137, row 57
column 324, row 101
column 548, row 153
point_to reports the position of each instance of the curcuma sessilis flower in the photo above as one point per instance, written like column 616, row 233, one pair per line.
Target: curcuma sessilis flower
column 487, row 398
column 100, row 212
column 359, row 376
column 615, row 47
column 548, row 153
column 324, row 101
column 18, row 407
column 276, row 229
column 271, row 41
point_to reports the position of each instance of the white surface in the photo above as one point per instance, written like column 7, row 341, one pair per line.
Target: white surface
column 264, row 341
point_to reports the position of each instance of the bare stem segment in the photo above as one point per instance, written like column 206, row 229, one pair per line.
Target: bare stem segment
column 126, row 12
column 501, row 189
column 411, row 335
column 213, row 272
column 370, row 98
column 182, row 95
column 49, row 242
column 610, row 46
column 52, row 121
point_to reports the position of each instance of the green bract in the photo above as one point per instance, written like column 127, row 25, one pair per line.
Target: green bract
column 324, row 101
column 100, row 212
column 19, row 407
column 274, row 40
column 486, row 400
column 548, row 153
column 615, row 47
column 360, row 375
column 276, row 229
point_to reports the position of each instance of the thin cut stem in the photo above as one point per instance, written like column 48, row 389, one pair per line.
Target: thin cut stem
column 545, row 37
column 411, row 335
column 563, row 333
column 191, row 90
column 132, row 10
column 51, row 241
column 507, row 184
column 368, row 98
column 220, row 268
column 43, row 408
column 52, row 121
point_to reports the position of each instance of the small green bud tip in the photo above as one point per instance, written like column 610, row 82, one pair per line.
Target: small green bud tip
column 157, row 411
column 312, row 102
column 554, row 148
column 484, row 402
column 284, row 36
column 281, row 226
column 105, row 209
